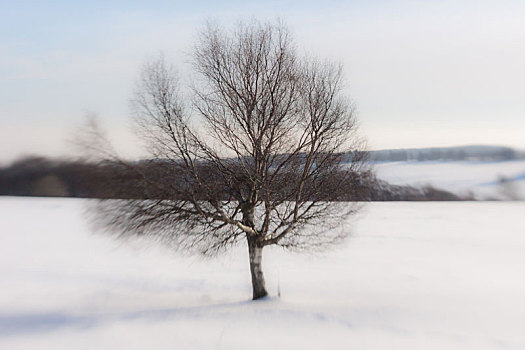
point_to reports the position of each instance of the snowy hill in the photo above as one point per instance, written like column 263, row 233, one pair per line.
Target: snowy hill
column 471, row 153
column 485, row 180
column 412, row 276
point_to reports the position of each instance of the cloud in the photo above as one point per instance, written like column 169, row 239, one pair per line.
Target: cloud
column 409, row 64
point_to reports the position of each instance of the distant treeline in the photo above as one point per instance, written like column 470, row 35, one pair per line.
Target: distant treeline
column 37, row 176
column 468, row 153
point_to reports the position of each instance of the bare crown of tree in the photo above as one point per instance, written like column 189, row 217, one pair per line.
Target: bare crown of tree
column 264, row 149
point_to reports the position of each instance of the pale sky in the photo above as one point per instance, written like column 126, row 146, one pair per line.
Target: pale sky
column 421, row 73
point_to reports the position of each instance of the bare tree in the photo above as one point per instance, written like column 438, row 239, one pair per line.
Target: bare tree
column 262, row 148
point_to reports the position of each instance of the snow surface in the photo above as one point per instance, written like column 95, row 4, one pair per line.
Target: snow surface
column 412, row 276
column 461, row 177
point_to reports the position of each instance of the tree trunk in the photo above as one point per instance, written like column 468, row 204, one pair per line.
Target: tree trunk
column 258, row 285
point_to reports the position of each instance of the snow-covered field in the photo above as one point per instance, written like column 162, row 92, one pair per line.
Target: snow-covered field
column 412, row 276
column 480, row 179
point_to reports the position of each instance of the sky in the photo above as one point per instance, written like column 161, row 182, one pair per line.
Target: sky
column 420, row 73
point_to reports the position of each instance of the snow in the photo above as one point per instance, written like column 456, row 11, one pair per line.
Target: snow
column 411, row 276
column 461, row 177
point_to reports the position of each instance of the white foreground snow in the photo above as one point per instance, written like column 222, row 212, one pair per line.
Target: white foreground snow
column 480, row 179
column 412, row 276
